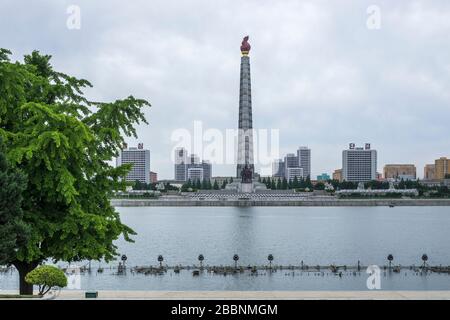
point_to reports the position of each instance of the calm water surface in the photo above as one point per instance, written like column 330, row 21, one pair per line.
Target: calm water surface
column 317, row 235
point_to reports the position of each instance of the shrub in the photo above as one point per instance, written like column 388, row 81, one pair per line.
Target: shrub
column 46, row 277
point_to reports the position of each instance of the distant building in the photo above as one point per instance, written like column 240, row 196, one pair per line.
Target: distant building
column 442, row 168
column 278, row 168
column 429, row 172
column 359, row 164
column 181, row 160
column 153, row 177
column 292, row 173
column 291, row 167
column 397, row 172
column 195, row 174
column 304, row 160
column 140, row 159
column 323, row 177
column 290, row 161
column 337, row 175
column 185, row 162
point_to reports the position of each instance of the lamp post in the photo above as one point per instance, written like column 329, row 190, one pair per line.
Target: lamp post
column 390, row 257
column 123, row 258
column 201, row 258
column 270, row 258
column 424, row 259
column 235, row 258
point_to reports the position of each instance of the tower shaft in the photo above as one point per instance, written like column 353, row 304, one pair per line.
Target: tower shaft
column 245, row 126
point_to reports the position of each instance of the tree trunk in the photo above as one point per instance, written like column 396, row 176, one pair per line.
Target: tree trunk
column 23, row 268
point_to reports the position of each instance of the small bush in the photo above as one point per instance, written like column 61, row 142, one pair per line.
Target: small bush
column 46, row 277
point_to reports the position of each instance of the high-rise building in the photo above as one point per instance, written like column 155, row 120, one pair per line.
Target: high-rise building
column 140, row 159
column 359, row 164
column 278, row 168
column 181, row 160
column 195, row 174
column 245, row 125
column 399, row 172
column 291, row 161
column 294, row 172
column 442, row 168
column 429, row 172
column 304, row 160
column 184, row 162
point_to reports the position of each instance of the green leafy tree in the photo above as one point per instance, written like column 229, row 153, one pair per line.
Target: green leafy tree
column 64, row 144
column 295, row 183
column 138, row 185
column 279, row 185
column 216, row 185
column 319, row 186
column 14, row 231
column 308, row 183
column 224, row 184
column 273, row 185
column 46, row 277
column 284, row 184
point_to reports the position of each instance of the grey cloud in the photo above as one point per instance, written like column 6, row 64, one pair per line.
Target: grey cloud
column 319, row 75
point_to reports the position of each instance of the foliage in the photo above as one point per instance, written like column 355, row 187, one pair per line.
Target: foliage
column 64, row 144
column 46, row 277
column 14, row 231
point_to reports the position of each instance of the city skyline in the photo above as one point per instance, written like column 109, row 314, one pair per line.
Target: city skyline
column 330, row 82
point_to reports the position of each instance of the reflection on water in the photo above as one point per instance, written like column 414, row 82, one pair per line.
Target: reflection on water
column 319, row 235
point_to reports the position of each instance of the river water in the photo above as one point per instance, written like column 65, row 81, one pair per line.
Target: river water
column 314, row 235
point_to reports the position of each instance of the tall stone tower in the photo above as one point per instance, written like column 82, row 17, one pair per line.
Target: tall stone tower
column 245, row 135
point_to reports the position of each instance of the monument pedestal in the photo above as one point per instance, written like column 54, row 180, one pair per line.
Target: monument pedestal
column 246, row 187
column 249, row 187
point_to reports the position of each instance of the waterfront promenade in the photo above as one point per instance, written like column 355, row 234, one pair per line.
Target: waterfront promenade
column 255, row 295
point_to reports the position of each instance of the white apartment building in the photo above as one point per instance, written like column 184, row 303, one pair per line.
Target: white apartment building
column 140, row 159
column 359, row 164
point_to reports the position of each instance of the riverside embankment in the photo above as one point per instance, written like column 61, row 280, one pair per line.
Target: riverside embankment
column 311, row 202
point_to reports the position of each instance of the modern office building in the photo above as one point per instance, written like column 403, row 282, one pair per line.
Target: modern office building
column 323, row 177
column 304, row 160
column 290, row 161
column 429, row 172
column 195, row 174
column 442, row 168
column 140, row 159
column 337, row 175
column 301, row 160
column 294, row 172
column 278, row 168
column 184, row 162
column 181, row 160
column 397, row 172
column 359, row 164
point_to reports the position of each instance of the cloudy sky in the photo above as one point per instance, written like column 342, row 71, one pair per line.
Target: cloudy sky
column 319, row 74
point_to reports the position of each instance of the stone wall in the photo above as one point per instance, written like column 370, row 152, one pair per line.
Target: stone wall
column 279, row 203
